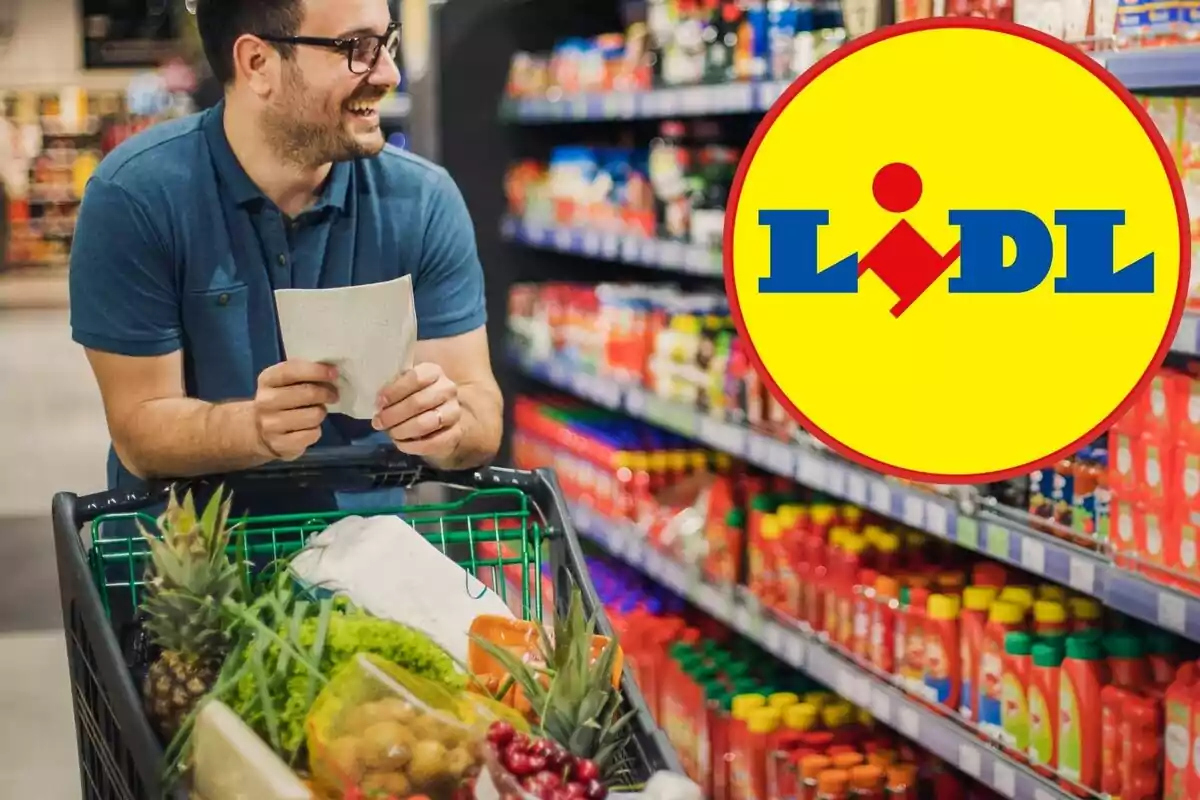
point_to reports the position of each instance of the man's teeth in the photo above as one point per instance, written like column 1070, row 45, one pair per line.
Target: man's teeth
column 363, row 106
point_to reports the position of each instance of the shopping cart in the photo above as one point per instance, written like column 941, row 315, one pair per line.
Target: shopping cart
column 521, row 512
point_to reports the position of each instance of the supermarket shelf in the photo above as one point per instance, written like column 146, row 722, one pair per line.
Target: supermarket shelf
column 1187, row 338
column 694, row 101
column 640, row 250
column 1155, row 68
column 983, row 531
column 804, row 651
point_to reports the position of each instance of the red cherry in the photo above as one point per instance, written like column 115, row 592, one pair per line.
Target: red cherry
column 585, row 770
column 559, row 794
column 596, row 790
column 576, row 790
column 518, row 764
column 500, row 733
column 550, row 780
column 537, row 763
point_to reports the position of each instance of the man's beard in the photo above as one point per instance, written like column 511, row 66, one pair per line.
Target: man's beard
column 302, row 138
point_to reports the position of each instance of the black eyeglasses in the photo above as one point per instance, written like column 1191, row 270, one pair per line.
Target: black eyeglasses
column 362, row 52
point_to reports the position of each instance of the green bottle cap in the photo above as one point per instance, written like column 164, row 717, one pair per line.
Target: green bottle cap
column 1084, row 648
column 1047, row 655
column 735, row 518
column 904, row 595
column 764, row 502
column 1122, row 644
column 679, row 650
column 1160, row 643
column 1018, row 643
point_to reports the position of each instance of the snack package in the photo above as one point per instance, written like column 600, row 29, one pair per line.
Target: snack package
column 379, row 731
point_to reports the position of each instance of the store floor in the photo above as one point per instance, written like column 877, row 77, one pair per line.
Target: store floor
column 52, row 437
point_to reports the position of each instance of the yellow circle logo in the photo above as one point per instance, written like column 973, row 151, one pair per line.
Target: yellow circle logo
column 957, row 248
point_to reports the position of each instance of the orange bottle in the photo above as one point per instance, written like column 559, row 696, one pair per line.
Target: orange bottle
column 811, row 768
column 943, row 666
column 866, row 783
column 1126, row 660
column 1179, row 765
column 902, row 782
column 1003, row 618
column 853, row 549
column 750, row 780
column 883, row 624
column 1081, row 681
column 864, row 607
column 976, row 600
column 912, row 674
column 848, row 761
column 833, row 784
column 1044, row 688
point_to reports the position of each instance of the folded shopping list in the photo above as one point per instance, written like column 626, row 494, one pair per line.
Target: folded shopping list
column 368, row 332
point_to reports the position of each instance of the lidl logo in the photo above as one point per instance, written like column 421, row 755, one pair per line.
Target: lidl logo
column 957, row 249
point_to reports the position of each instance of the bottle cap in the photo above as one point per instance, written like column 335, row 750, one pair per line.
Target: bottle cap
column 1050, row 591
column 743, row 704
column 882, row 758
column 833, row 782
column 770, row 527
column 978, row 598
column 951, row 580
column 1018, row 643
column 1049, row 612
column 763, row 502
column 887, row 542
column 902, row 776
column 818, row 699
column 812, row 766
column 1003, row 612
column 943, row 607
column 1160, row 643
column 822, row 514
column 789, row 514
column 1017, row 595
column 848, row 761
column 782, row 700
column 867, row 577
column 800, row 717
column 763, row 720
column 735, row 518
column 867, row 777
column 1122, row 644
column 1046, row 654
column 1084, row 648
column 1085, row 608
column 887, row 587
column 904, row 595
column 836, row 715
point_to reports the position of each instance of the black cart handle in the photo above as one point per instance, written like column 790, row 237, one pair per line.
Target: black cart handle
column 344, row 468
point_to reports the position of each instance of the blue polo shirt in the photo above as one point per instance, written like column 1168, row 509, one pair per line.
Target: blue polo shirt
column 175, row 248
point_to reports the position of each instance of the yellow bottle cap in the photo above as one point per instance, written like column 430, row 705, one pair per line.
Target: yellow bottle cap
column 1085, row 608
column 888, row 542
column 854, row 544
column 800, row 717
column 865, row 718
column 978, row 598
column 657, row 461
column 1049, row 612
column 1048, row 591
column 818, row 699
column 851, row 514
column 743, row 704
column 770, row 527
column 790, row 514
column 838, row 535
column 1017, row 595
column 763, row 720
column 723, row 461
column 873, row 532
column 823, row 514
column 943, row 606
column 782, row 700
column 1006, row 613
column 637, row 461
column 836, row 715
column 915, row 539
column 698, row 459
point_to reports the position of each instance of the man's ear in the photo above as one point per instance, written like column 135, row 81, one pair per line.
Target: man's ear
column 257, row 64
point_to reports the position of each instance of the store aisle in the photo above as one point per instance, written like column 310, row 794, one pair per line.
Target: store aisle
column 52, row 429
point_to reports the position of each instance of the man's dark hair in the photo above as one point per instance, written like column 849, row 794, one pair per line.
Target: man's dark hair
column 221, row 22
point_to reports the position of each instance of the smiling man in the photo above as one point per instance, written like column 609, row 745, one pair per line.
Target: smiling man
column 186, row 230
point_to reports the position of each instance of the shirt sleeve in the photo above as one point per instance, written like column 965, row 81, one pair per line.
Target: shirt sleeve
column 122, row 277
column 448, row 285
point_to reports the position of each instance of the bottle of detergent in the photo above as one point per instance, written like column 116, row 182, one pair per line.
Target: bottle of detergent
column 1003, row 618
column 1014, row 715
column 976, row 601
column 1081, row 680
column 1044, row 694
column 943, row 667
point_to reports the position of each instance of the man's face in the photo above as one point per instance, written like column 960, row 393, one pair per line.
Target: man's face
column 323, row 111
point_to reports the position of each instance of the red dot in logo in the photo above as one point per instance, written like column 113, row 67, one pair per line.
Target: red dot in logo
column 897, row 187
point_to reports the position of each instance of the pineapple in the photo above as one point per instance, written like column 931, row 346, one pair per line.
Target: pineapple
column 189, row 578
column 571, row 694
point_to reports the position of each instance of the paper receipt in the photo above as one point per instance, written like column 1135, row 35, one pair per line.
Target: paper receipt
column 368, row 332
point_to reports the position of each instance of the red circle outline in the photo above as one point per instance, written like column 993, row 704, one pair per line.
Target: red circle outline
column 995, row 26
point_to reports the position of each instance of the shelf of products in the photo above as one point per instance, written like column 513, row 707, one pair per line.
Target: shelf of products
column 986, row 532
column 918, row 631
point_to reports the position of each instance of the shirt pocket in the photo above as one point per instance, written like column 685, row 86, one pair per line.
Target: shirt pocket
column 217, row 343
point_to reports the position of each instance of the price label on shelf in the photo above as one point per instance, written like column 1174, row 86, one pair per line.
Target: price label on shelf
column 610, row 245
column 631, row 248
column 910, row 723
column 1033, row 555
column 835, row 479
column 795, row 649
column 722, row 436
column 772, row 634
column 881, row 705
column 970, row 760
column 649, row 252
column 1083, row 576
column 635, row 402
column 810, row 470
column 591, row 242
column 997, row 541
column 856, row 488
column 914, row 511
column 535, row 233
column 967, row 532
column 666, row 102
column 697, row 260
column 937, row 519
column 563, row 238
column 670, row 254
column 780, row 459
column 1004, row 779
column 559, row 374
column 1172, row 611
column 881, row 497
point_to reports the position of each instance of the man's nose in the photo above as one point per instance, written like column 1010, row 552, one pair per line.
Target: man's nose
column 386, row 72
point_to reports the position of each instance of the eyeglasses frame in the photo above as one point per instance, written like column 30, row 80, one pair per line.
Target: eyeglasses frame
column 346, row 44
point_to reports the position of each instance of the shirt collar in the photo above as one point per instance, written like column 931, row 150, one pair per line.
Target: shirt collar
column 243, row 190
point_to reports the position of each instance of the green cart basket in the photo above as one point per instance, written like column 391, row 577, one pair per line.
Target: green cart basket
column 522, row 512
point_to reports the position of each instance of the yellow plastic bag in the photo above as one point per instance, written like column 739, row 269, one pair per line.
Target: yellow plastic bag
column 379, row 731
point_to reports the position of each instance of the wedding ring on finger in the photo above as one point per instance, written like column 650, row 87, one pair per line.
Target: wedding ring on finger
column 440, row 423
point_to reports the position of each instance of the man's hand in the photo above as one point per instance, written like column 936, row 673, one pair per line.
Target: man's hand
column 289, row 406
column 421, row 413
